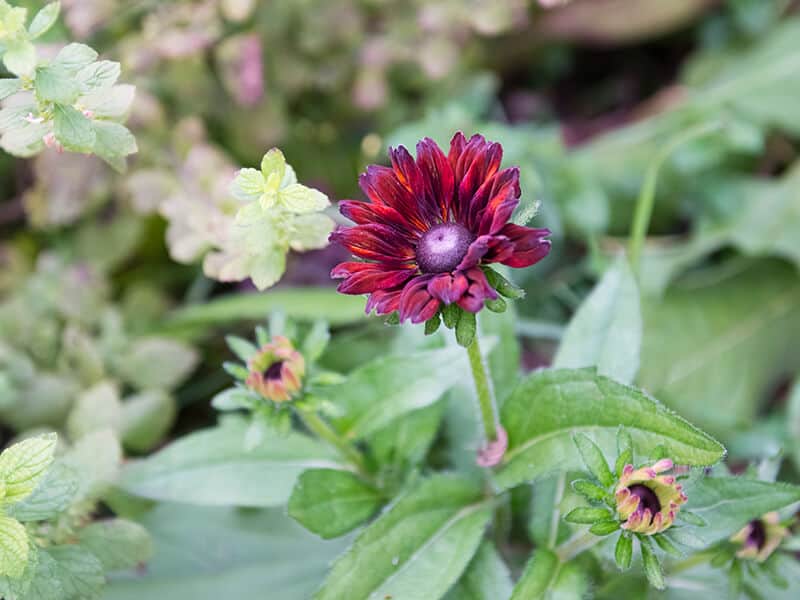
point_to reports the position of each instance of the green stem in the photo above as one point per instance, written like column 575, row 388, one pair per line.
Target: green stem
column 483, row 387
column 647, row 195
column 576, row 545
column 324, row 431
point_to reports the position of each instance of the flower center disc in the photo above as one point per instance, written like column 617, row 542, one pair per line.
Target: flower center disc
column 442, row 247
column 273, row 371
column 647, row 498
column 758, row 534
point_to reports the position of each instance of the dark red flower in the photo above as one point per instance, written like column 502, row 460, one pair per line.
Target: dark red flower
column 430, row 225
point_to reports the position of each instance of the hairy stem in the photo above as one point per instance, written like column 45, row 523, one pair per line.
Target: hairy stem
column 483, row 387
column 576, row 545
column 324, row 431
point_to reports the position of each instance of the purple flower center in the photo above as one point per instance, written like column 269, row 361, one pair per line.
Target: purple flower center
column 647, row 498
column 273, row 371
column 758, row 534
column 442, row 247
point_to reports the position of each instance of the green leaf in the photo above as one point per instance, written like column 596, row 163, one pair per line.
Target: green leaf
column 301, row 200
column 546, row 526
column 242, row 348
column 53, row 495
column 416, row 549
column 606, row 527
column 55, row 84
column 212, row 467
column 146, row 419
column 9, row 87
column 330, row 503
column 156, row 362
column 466, row 328
column 405, row 441
column 114, row 103
column 20, row 58
column 23, row 465
column 606, row 331
column 99, row 75
column 486, row 577
column 248, row 186
column 652, row 566
column 14, row 547
column 728, row 503
column 73, row 57
column 698, row 337
column 96, row 457
column 79, row 572
column 549, row 407
column 667, row 546
column 503, row 286
column 118, row 543
column 589, row 490
column 432, row 324
column 623, row 552
column 307, row 304
column 380, row 391
column 73, row 130
column 44, row 20
column 96, row 408
column 593, row 458
column 113, row 142
column 540, row 574
column 209, row 553
column 585, row 515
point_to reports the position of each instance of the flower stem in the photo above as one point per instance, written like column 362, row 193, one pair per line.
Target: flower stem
column 483, row 387
column 576, row 545
column 324, row 431
column 647, row 194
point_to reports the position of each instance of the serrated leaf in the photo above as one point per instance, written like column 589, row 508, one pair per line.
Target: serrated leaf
column 330, row 502
column 53, row 495
column 589, row 490
column 549, row 407
column 44, row 20
column 55, row 84
column 606, row 331
column 380, row 391
column 73, row 130
column 79, row 572
column 486, row 577
column 74, row 57
column 728, row 503
column 9, row 87
column 113, row 142
column 99, row 75
column 118, row 543
column 14, row 547
column 300, row 200
column 416, row 549
column 593, row 458
column 539, row 575
column 212, row 467
column 23, row 465
column 248, row 186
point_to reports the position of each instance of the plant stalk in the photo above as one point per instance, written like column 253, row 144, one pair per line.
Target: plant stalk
column 324, row 431
column 483, row 387
column 576, row 545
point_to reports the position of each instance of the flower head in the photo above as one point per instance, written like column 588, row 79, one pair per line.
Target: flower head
column 646, row 499
column 276, row 370
column 429, row 227
column 760, row 537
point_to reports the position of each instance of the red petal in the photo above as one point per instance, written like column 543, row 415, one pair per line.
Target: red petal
column 487, row 249
column 369, row 277
column 530, row 245
column 498, row 193
column 416, row 303
column 382, row 186
column 478, row 291
column 364, row 213
column 438, row 178
column 479, row 161
column 384, row 301
column 375, row 242
column 457, row 145
column 448, row 287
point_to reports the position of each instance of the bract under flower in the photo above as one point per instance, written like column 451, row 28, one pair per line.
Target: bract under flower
column 647, row 500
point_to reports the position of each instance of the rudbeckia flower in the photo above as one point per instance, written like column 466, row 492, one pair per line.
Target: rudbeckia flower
column 276, row 370
column 760, row 537
column 430, row 226
column 647, row 500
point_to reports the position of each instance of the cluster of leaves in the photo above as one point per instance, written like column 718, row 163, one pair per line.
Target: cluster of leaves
column 48, row 547
column 71, row 102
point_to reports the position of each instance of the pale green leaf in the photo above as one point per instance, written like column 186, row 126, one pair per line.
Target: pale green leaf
column 99, row 75
column 97, row 457
column 156, row 362
column 212, row 467
column 14, row 547
column 20, row 58
column 380, row 391
column 118, row 543
column 113, row 142
column 486, row 577
column 9, row 87
column 114, row 103
column 79, row 572
column 248, row 185
column 417, row 549
column 549, row 407
column 146, row 419
column 274, row 164
column 53, row 495
column 299, row 199
column 330, row 502
column 44, row 20
column 73, row 130
column 73, row 57
column 606, row 331
column 23, row 465
column 96, row 408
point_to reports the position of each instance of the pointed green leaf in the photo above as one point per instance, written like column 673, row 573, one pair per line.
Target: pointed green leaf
column 118, row 543
column 606, row 527
column 585, row 515
column 594, row 460
column 20, row 58
column 549, row 407
column 652, row 566
column 330, row 503
column 23, row 465
column 416, row 549
column 74, row 57
column 44, row 20
column 466, row 328
column 9, row 87
column 606, row 331
column 73, row 130
column 486, row 577
column 539, row 575
column 53, row 495
column 242, row 348
column 99, row 75
column 623, row 552
column 113, row 142
column 589, row 490
column 146, row 419
column 300, row 199
column 248, row 185
column 14, row 547
column 79, row 572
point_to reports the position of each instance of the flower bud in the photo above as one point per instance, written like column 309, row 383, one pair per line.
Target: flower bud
column 760, row 537
column 646, row 500
column 276, row 370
